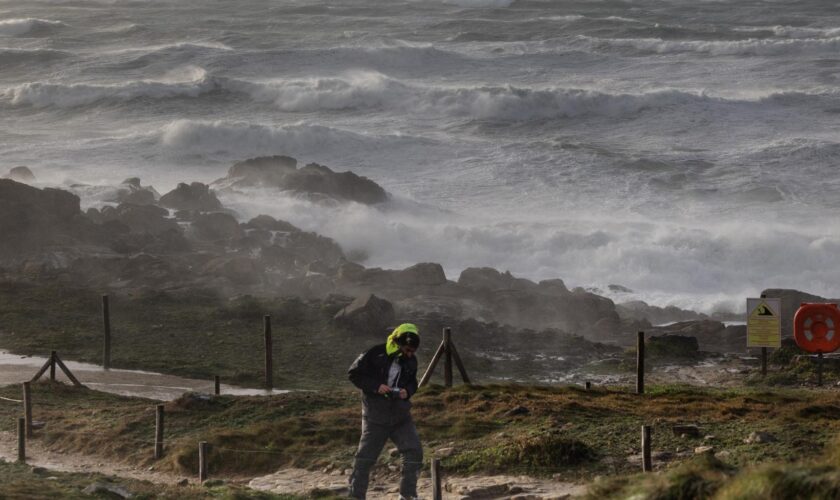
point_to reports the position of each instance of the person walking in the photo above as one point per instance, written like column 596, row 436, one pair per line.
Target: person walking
column 387, row 377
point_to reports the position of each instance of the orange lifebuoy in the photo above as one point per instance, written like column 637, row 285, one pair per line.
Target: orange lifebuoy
column 816, row 327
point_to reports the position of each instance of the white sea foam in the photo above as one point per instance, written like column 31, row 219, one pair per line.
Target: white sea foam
column 41, row 95
column 753, row 46
column 481, row 4
column 18, row 27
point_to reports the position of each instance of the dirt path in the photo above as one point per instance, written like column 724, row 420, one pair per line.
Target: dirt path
column 303, row 482
column 38, row 456
column 15, row 369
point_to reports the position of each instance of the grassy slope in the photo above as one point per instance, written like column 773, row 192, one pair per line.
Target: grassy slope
column 19, row 481
column 578, row 434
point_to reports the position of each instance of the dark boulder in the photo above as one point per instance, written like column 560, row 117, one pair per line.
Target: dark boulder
column 487, row 278
column 367, row 314
column 194, row 196
column 132, row 192
column 21, row 174
column 140, row 218
column 315, row 180
column 216, row 227
column 672, row 347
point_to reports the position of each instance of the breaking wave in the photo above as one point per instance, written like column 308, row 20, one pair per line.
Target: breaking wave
column 241, row 139
column 752, row 46
column 41, row 95
column 28, row 26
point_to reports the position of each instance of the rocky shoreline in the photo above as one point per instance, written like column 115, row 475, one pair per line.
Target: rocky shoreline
column 187, row 239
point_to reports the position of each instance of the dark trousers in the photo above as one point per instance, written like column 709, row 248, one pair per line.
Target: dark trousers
column 374, row 437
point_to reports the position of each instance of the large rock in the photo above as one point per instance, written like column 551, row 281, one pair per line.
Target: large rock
column 33, row 219
column 639, row 310
column 281, row 172
column 216, row 227
column 21, row 174
column 239, row 270
column 132, row 192
column 487, row 278
column 367, row 314
column 672, row 347
column 194, row 196
column 791, row 300
column 141, row 218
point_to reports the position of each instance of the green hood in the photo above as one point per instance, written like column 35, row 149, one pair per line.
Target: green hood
column 391, row 345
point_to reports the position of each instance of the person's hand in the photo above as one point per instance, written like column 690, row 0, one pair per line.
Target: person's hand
column 403, row 394
column 383, row 389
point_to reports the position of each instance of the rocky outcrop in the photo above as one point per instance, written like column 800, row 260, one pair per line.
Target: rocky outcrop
column 487, row 278
column 712, row 336
column 140, row 218
column 21, row 174
column 640, row 310
column 791, row 300
column 194, row 196
column 665, row 348
column 216, row 227
column 132, row 192
column 315, row 180
column 367, row 314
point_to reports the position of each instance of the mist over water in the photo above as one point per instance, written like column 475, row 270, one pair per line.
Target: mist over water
column 686, row 150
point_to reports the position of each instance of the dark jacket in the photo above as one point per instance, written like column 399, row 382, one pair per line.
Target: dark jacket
column 369, row 371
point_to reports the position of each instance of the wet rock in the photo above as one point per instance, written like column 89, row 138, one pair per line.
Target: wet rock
column 183, row 482
column 217, row 227
column 141, row 218
column 760, row 437
column 240, row 269
column 131, row 191
column 315, row 180
column 194, row 196
column 685, row 430
column 519, row 410
column 21, row 174
column 107, row 489
column 487, row 278
column 672, row 347
column 700, row 450
column 445, row 452
column 366, row 314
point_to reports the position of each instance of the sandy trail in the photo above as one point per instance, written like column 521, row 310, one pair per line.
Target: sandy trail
column 37, row 455
column 302, row 482
column 15, row 369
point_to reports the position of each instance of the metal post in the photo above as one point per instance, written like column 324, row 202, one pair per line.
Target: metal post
column 640, row 363
column 588, row 385
column 159, row 432
column 217, row 385
column 106, row 323
column 269, row 361
column 27, row 407
column 647, row 465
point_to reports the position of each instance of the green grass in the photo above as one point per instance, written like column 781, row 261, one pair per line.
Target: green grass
column 576, row 433
column 20, row 481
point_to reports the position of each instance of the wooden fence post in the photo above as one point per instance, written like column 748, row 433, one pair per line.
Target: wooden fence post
column 158, row 432
column 640, row 363
column 217, row 385
column 588, row 385
column 202, row 461
column 52, row 365
column 447, row 359
column 647, row 465
column 437, row 491
column 106, row 323
column 21, row 433
column 27, row 407
column 269, row 354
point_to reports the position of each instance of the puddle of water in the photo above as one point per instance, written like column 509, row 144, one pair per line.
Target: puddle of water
column 15, row 369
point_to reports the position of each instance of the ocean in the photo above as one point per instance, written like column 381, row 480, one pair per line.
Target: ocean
column 686, row 150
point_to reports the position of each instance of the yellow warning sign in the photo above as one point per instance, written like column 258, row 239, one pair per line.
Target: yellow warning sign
column 764, row 322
